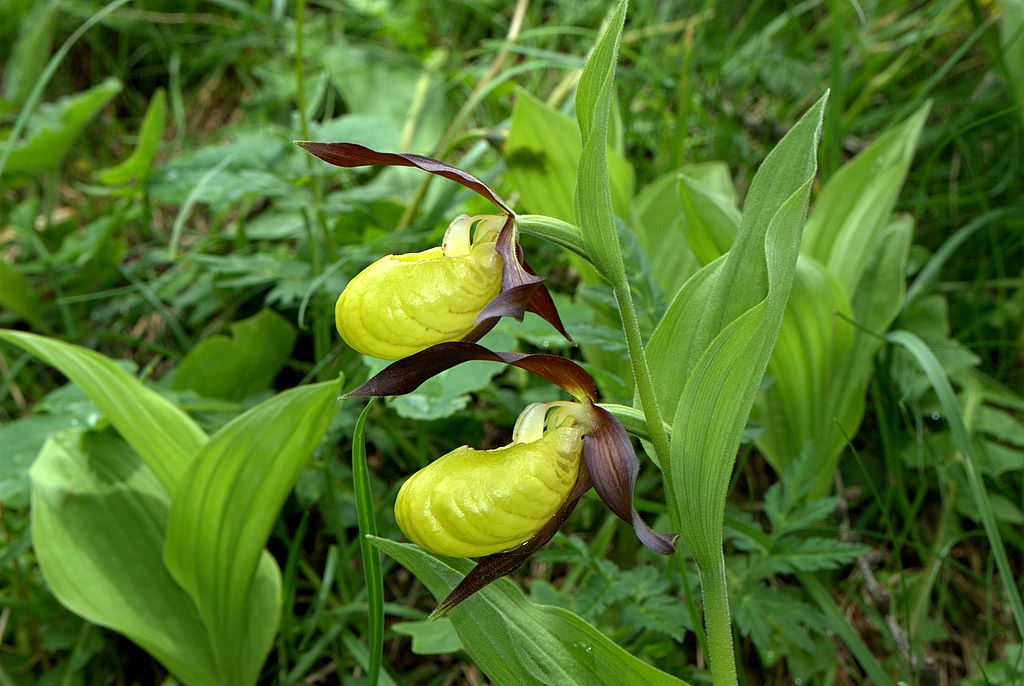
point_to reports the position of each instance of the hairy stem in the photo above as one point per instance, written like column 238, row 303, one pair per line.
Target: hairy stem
column 658, row 434
column 719, row 624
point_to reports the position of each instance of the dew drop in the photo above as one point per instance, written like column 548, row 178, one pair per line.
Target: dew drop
column 936, row 416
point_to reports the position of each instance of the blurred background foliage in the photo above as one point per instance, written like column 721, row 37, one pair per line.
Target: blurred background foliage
column 153, row 207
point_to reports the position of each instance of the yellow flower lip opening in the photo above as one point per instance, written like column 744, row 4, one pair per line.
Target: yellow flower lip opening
column 404, row 303
column 472, row 503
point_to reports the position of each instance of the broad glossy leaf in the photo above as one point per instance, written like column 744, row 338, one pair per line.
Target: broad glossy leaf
column 98, row 521
column 163, row 435
column 137, row 164
column 592, row 200
column 54, row 127
column 516, row 642
column 660, row 233
column 222, row 515
column 856, row 204
column 542, row 153
column 708, row 354
column 246, row 363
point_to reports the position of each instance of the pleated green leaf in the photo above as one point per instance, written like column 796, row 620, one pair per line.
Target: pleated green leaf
column 519, row 643
column 592, row 201
column 813, row 345
column 835, row 384
column 660, row 232
column 709, row 209
column 163, row 436
column 708, row 354
column 98, row 521
column 222, row 516
column 856, row 204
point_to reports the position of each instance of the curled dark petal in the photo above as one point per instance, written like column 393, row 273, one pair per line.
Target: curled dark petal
column 612, row 464
column 510, row 303
column 543, row 305
column 355, row 155
column 498, row 565
column 517, row 273
column 406, row 375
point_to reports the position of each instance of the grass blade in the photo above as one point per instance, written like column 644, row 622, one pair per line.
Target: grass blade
column 932, row 368
column 371, row 558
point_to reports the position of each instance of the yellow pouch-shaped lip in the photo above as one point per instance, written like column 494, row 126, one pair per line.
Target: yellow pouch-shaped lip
column 402, row 304
column 471, row 503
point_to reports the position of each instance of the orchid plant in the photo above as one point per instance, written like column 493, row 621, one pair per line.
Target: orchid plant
column 184, row 571
column 432, row 306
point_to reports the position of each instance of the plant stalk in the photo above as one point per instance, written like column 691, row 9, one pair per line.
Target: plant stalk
column 719, row 623
column 658, row 434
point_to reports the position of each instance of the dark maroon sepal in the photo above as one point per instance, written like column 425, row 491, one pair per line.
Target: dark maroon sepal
column 498, row 565
column 354, row 155
column 406, row 375
column 516, row 276
column 612, row 464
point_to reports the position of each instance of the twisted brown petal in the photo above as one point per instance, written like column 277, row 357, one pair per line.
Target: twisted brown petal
column 406, row 375
column 612, row 464
column 502, row 564
column 354, row 155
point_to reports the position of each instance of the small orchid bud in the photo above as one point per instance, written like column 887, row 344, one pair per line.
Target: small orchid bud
column 471, row 503
column 402, row 304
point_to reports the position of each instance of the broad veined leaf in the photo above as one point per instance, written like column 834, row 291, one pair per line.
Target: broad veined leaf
column 222, row 515
column 708, row 354
column 822, row 362
column 245, row 363
column 56, row 126
column 162, row 434
column 711, row 216
column 659, row 231
column 98, row 522
column 516, row 642
column 137, row 165
column 813, row 344
column 855, row 205
column 542, row 153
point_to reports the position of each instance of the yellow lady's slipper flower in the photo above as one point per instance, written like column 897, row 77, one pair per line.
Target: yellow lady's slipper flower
column 402, row 304
column 471, row 503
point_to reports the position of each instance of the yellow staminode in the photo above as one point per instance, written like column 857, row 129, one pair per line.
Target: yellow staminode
column 471, row 503
column 402, row 304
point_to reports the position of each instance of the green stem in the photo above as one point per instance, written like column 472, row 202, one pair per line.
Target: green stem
column 719, row 624
column 642, row 378
column 657, row 431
